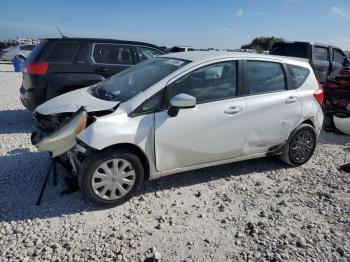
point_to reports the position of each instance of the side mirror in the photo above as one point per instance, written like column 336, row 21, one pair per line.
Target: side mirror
column 181, row 101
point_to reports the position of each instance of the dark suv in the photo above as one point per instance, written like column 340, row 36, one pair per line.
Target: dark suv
column 331, row 67
column 60, row 65
column 326, row 61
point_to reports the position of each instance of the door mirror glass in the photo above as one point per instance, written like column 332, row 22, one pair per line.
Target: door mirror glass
column 183, row 101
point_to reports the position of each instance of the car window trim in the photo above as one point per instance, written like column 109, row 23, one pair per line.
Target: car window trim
column 166, row 99
column 287, row 77
column 136, row 46
column 130, row 46
column 94, row 62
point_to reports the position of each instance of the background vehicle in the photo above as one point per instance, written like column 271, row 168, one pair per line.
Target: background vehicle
column 60, row 65
column 326, row 61
column 176, row 49
column 347, row 53
column 140, row 124
column 337, row 97
column 20, row 50
column 342, row 123
column 331, row 67
column 3, row 46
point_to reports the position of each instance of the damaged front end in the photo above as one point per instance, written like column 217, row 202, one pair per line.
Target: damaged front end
column 63, row 139
column 57, row 135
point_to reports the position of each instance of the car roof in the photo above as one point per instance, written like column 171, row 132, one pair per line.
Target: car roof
column 203, row 56
column 306, row 43
column 101, row 40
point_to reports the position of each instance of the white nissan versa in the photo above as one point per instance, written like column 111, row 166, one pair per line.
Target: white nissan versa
column 179, row 112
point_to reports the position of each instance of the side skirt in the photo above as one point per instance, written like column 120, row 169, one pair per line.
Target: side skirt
column 216, row 163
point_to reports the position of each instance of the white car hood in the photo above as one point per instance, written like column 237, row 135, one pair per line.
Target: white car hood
column 72, row 101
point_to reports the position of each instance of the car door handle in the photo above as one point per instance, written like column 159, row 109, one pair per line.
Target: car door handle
column 291, row 100
column 233, row 110
column 101, row 70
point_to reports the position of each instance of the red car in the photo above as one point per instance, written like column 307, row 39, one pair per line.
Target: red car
column 337, row 97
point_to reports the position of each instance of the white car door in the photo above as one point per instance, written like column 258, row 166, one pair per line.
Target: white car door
column 211, row 131
column 272, row 109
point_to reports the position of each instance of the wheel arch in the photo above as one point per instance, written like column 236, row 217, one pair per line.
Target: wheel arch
column 308, row 121
column 137, row 151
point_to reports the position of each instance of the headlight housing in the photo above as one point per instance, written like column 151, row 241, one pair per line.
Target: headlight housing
column 63, row 139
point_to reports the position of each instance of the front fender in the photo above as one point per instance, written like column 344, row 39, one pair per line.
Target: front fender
column 118, row 128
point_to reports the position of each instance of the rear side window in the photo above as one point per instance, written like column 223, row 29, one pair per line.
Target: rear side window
column 338, row 56
column 34, row 55
column 148, row 53
column 264, row 77
column 63, row 52
column 321, row 53
column 290, row 49
column 298, row 74
column 112, row 54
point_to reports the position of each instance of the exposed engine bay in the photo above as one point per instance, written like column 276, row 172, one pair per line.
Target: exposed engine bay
column 57, row 133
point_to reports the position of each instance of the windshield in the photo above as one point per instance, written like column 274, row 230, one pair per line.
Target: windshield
column 136, row 79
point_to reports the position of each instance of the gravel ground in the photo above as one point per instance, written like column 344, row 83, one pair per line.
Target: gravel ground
column 259, row 210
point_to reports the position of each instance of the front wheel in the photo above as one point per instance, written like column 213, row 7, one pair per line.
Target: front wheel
column 110, row 177
column 300, row 146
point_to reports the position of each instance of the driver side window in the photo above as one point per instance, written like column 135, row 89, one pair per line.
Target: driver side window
column 210, row 83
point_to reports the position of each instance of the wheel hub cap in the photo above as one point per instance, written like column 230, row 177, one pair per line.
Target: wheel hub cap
column 113, row 179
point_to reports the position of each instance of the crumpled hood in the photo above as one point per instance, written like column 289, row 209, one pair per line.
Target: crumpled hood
column 72, row 101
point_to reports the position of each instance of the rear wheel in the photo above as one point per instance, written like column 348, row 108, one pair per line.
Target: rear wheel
column 111, row 177
column 300, row 145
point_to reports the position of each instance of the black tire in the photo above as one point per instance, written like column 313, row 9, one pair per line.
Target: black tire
column 94, row 160
column 306, row 135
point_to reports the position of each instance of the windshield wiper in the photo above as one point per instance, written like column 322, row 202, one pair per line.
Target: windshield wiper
column 101, row 93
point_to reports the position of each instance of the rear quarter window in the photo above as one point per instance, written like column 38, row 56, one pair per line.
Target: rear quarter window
column 63, row 52
column 298, row 74
column 34, row 55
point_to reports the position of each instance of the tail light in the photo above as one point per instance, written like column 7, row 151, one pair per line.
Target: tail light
column 319, row 94
column 37, row 68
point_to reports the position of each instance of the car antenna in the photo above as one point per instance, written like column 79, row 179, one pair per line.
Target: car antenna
column 63, row 36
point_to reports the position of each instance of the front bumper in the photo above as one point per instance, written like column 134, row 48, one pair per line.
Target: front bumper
column 63, row 139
